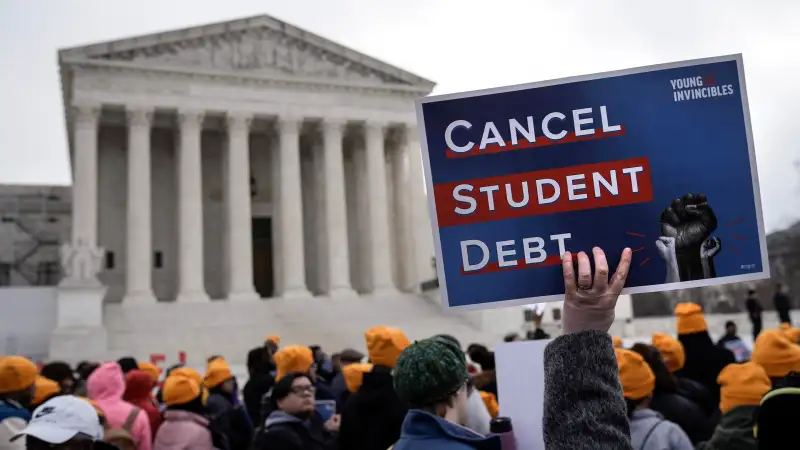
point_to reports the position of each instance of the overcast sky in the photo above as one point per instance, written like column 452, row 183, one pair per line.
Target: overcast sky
column 461, row 47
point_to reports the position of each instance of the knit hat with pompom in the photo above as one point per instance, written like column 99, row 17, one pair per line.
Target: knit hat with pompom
column 429, row 371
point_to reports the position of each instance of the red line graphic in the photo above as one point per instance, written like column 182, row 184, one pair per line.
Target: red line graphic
column 541, row 141
column 493, row 267
column 644, row 262
column 631, row 233
column 637, row 249
column 736, row 222
column 735, row 251
column 744, row 238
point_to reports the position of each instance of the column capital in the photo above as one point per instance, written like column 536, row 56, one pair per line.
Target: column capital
column 139, row 117
column 191, row 117
column 289, row 123
column 376, row 125
column 86, row 114
column 239, row 119
column 333, row 123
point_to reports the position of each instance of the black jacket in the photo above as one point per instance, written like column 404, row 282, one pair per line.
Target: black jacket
column 782, row 302
column 372, row 416
column 685, row 413
column 698, row 394
column 338, row 388
column 704, row 361
column 283, row 431
column 229, row 423
column 255, row 389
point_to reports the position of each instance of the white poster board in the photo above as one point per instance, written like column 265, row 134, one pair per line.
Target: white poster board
column 520, row 383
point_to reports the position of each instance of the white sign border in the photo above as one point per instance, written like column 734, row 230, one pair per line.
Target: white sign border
column 765, row 272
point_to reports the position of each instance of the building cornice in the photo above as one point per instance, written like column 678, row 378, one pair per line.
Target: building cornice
column 246, row 79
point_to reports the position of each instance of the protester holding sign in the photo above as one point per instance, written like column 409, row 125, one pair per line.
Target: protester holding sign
column 581, row 389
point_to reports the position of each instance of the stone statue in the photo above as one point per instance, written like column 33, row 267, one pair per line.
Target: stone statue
column 81, row 262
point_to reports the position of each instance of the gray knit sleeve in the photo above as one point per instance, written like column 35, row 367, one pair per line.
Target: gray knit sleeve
column 583, row 403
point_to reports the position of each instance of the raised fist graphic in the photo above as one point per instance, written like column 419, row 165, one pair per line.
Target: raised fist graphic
column 710, row 248
column 666, row 249
column 690, row 220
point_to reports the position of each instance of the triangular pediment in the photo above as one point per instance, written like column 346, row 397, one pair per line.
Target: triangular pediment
column 259, row 45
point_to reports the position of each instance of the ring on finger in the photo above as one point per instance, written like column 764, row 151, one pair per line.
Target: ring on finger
column 585, row 287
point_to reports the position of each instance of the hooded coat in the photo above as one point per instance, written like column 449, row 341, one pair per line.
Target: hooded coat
column 106, row 387
column 373, row 415
column 183, row 430
column 139, row 392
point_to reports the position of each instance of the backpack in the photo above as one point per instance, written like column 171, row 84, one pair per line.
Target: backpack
column 122, row 437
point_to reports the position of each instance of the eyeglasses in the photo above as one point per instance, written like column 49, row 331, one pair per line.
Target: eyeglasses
column 300, row 390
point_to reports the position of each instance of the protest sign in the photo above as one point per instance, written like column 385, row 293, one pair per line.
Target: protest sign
column 659, row 159
column 520, row 384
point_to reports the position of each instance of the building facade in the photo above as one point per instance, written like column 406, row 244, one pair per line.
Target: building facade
column 241, row 179
column 243, row 160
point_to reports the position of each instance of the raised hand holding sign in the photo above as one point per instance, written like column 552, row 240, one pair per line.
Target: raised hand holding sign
column 589, row 304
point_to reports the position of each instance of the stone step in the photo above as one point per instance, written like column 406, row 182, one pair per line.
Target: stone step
column 232, row 328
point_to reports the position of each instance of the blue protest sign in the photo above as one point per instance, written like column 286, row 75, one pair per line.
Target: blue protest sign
column 659, row 159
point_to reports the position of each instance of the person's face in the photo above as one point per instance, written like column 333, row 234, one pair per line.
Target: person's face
column 731, row 329
column 228, row 386
column 67, row 385
column 301, row 398
column 337, row 363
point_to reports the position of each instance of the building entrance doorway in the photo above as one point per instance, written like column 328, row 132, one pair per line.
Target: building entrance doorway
column 263, row 273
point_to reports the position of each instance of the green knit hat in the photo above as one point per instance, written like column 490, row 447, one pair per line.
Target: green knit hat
column 429, row 370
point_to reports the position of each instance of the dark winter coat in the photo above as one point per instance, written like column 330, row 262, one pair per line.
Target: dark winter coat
column 372, row 416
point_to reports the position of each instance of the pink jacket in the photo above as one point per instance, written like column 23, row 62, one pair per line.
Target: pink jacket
column 105, row 387
column 183, row 430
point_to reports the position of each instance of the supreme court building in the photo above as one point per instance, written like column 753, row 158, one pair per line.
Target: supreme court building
column 218, row 166
column 243, row 160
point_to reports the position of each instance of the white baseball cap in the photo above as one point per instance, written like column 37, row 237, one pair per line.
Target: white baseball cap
column 62, row 418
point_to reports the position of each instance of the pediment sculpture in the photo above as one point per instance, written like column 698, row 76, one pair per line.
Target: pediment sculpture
column 257, row 50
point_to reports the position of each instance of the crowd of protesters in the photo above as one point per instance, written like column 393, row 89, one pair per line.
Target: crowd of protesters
column 674, row 392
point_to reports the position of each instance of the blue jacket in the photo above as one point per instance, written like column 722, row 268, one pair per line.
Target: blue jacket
column 424, row 431
column 10, row 410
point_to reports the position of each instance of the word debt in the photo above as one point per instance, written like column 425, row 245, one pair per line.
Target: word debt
column 532, row 252
column 574, row 188
column 514, row 134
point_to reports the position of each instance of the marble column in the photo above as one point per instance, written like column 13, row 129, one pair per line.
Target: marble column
column 422, row 236
column 79, row 331
column 239, row 230
column 338, row 253
column 191, row 284
column 400, row 215
column 380, row 244
column 84, row 176
column 291, row 209
column 139, row 286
